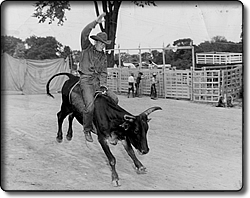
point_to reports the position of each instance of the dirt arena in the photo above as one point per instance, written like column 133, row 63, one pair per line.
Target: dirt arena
column 192, row 147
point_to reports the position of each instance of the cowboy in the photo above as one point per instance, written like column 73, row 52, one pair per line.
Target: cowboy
column 93, row 72
column 137, row 84
column 153, row 93
column 131, row 82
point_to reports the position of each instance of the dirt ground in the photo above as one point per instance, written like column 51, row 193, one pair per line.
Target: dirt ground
column 192, row 147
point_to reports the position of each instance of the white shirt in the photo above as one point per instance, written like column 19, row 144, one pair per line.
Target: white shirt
column 131, row 79
column 153, row 80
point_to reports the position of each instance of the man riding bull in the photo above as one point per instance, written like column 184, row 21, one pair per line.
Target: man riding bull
column 93, row 72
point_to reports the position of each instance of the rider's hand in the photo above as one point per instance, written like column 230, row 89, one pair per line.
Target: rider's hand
column 100, row 18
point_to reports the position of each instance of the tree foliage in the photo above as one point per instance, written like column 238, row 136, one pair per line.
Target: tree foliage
column 143, row 3
column 37, row 48
column 40, row 48
column 182, row 59
column 19, row 51
column 9, row 44
column 66, row 52
column 51, row 10
column 219, row 44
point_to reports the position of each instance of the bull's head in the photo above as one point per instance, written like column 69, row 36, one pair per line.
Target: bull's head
column 137, row 127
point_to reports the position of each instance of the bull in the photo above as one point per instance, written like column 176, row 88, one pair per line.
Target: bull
column 112, row 123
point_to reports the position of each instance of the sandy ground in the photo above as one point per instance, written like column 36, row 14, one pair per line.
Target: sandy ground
column 192, row 147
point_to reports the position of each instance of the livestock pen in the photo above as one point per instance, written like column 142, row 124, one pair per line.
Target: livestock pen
column 204, row 85
column 213, row 74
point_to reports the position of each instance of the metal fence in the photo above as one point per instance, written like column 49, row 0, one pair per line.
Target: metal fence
column 199, row 86
column 206, row 86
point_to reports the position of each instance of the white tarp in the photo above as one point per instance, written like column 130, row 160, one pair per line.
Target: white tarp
column 31, row 76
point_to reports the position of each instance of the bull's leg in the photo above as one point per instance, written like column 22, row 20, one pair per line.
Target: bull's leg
column 70, row 130
column 112, row 161
column 127, row 145
column 61, row 115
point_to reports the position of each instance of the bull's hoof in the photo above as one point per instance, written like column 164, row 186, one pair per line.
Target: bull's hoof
column 59, row 140
column 116, row 183
column 141, row 170
column 69, row 138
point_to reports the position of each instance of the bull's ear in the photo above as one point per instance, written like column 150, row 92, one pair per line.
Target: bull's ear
column 149, row 119
column 129, row 118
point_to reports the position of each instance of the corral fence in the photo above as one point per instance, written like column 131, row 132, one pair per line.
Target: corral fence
column 171, row 83
column 218, row 58
column 205, row 85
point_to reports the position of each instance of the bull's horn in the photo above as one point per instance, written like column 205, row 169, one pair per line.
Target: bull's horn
column 129, row 118
column 150, row 110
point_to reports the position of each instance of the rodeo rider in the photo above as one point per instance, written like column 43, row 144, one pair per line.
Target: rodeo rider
column 93, row 72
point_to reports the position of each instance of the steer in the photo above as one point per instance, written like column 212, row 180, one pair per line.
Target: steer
column 112, row 123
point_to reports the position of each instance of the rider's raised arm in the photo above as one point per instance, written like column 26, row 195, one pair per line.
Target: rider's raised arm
column 85, row 42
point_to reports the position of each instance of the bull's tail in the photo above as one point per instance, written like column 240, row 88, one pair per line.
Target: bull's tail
column 59, row 74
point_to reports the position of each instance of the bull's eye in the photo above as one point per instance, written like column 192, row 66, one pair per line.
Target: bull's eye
column 136, row 131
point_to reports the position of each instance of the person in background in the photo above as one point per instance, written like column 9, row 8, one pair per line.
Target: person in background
column 131, row 83
column 93, row 72
column 153, row 93
column 137, row 84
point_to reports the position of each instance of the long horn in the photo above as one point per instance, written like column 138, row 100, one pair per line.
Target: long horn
column 150, row 110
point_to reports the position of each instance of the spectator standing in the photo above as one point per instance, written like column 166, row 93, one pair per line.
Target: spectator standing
column 131, row 83
column 153, row 93
column 137, row 84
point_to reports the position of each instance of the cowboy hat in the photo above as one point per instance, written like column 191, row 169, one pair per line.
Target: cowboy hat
column 101, row 36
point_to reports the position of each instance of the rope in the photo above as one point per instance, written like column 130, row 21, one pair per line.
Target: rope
column 97, row 93
column 70, row 91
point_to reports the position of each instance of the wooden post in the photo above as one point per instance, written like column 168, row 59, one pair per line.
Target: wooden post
column 225, row 94
column 163, row 72
column 140, row 65
column 119, row 70
column 192, row 74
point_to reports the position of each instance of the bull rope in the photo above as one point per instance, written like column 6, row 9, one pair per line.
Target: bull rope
column 70, row 91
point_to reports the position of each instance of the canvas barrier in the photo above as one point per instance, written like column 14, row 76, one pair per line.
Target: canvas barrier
column 27, row 76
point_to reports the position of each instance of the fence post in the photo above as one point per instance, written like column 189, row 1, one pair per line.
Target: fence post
column 140, row 65
column 163, row 72
column 119, row 70
column 192, row 73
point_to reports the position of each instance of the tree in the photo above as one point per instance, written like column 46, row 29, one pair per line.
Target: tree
column 157, row 57
column 218, row 39
column 9, row 44
column 182, row 59
column 146, row 56
column 219, row 44
column 56, row 9
column 19, row 51
column 66, row 52
column 40, row 48
column 183, row 42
